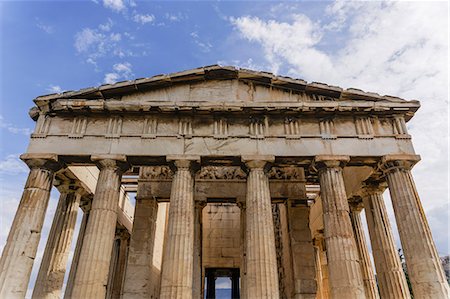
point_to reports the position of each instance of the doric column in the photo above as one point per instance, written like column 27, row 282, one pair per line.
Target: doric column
column 118, row 264
column 423, row 263
column 178, row 258
column 342, row 253
column 262, row 271
column 302, row 251
column 370, row 284
column 319, row 277
column 50, row 278
column 197, row 274
column 323, row 263
column 23, row 239
column 92, row 273
column 86, row 207
column 138, row 277
column 243, row 265
column 390, row 276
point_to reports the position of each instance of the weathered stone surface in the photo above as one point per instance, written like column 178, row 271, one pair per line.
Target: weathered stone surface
column 423, row 263
column 76, row 254
column 370, row 285
column 92, row 271
column 261, row 263
column 23, row 239
column 390, row 276
column 54, row 262
column 345, row 277
column 177, row 272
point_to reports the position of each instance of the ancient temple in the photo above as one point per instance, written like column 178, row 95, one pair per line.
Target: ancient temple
column 239, row 175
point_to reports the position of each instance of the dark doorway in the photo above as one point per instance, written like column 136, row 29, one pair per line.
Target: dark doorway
column 222, row 283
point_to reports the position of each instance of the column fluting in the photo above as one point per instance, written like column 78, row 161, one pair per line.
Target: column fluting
column 423, row 263
column 76, row 254
column 390, row 276
column 138, row 276
column 23, row 239
column 92, row 274
column 370, row 284
column 50, row 278
column 178, row 258
column 261, row 263
column 345, row 278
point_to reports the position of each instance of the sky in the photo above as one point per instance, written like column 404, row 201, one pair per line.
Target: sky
column 395, row 48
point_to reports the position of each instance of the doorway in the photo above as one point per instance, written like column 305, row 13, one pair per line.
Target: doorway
column 222, row 283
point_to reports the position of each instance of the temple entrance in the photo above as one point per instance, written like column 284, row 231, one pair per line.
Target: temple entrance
column 222, row 283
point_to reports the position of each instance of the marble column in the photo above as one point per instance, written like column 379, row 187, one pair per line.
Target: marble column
column 117, row 270
column 370, row 284
column 23, row 239
column 390, row 276
column 138, row 277
column 262, row 271
column 424, row 267
column 324, row 282
column 243, row 270
column 178, row 257
column 50, row 278
column 197, row 274
column 345, row 277
column 319, row 277
column 86, row 207
column 92, row 274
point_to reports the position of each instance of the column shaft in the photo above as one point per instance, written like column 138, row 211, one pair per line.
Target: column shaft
column 92, row 273
column 370, row 284
column 138, row 277
column 76, row 255
column 23, row 239
column 342, row 254
column 391, row 278
column 178, row 258
column 50, row 278
column 262, row 272
column 424, row 266
column 197, row 274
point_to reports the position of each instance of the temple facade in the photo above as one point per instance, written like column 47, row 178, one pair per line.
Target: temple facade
column 239, row 175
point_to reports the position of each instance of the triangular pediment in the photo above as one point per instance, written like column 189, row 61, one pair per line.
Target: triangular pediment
column 221, row 84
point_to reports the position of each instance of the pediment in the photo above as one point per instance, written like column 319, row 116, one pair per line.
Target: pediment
column 219, row 84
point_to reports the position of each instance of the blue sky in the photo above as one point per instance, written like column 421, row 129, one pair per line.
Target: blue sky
column 397, row 48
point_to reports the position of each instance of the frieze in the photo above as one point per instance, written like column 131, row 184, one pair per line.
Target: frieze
column 156, row 173
column 286, row 173
column 221, row 173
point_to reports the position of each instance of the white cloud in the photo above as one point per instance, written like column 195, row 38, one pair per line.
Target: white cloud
column 11, row 128
column 120, row 71
column 175, row 17
column 95, row 43
column 12, row 165
column 106, row 26
column 398, row 48
column 54, row 89
column 204, row 46
column 44, row 27
column 144, row 19
column 116, row 5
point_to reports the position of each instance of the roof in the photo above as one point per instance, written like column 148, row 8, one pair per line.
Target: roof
column 217, row 72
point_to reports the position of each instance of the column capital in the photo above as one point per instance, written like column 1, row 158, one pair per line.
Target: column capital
column 257, row 161
column 190, row 162
column 329, row 161
column 70, row 186
column 355, row 204
column 111, row 161
column 390, row 163
column 47, row 161
column 370, row 187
